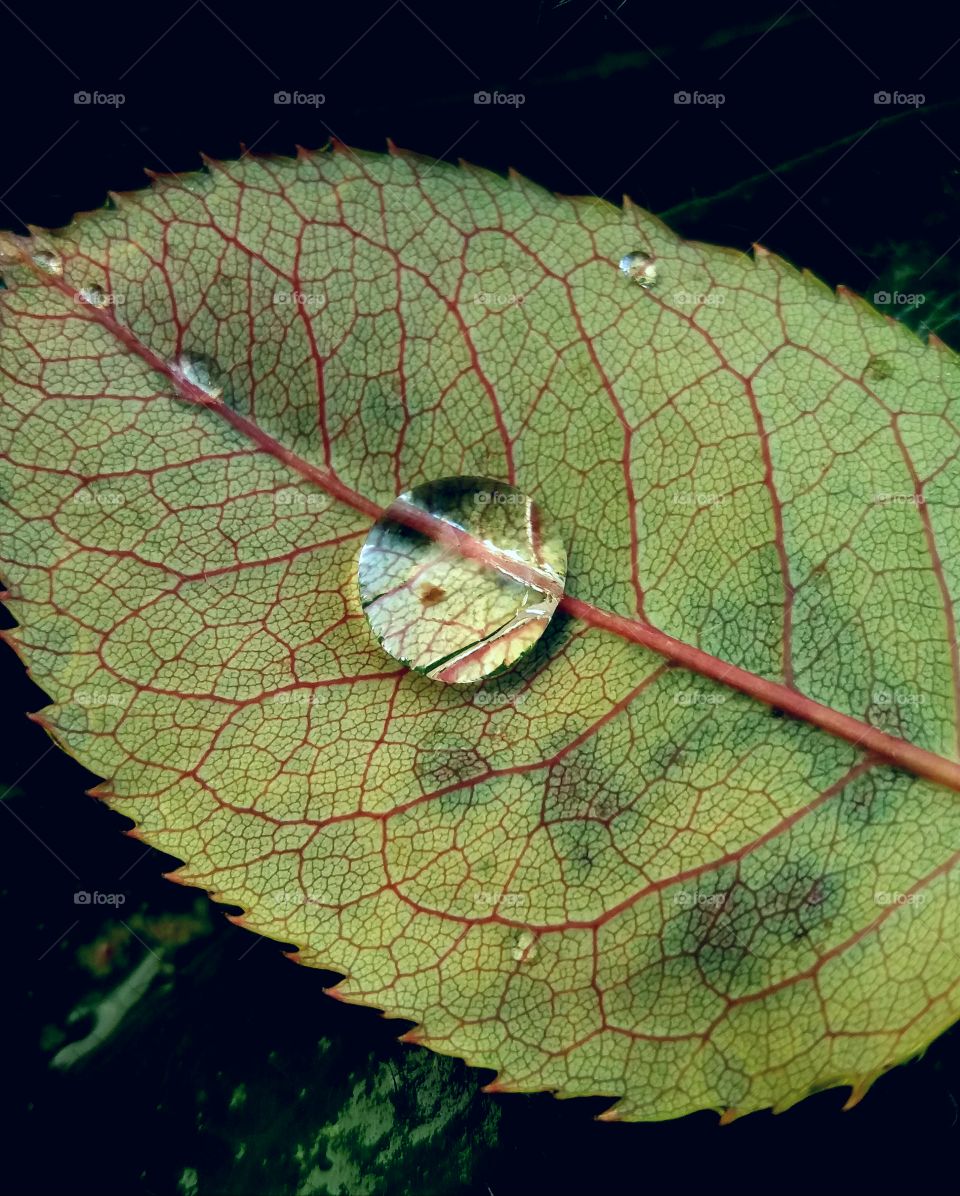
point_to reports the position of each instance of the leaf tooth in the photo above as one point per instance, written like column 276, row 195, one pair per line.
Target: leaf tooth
column 177, row 879
column 497, row 1085
column 41, row 718
column 859, row 1088
column 730, row 1114
column 414, row 1036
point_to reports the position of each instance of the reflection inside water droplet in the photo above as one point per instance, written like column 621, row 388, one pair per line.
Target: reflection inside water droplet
column 464, row 595
column 640, row 268
column 200, row 371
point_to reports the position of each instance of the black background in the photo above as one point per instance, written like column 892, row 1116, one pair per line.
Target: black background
column 800, row 157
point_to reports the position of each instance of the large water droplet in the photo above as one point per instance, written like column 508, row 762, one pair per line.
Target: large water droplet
column 200, row 371
column 460, row 607
column 640, row 268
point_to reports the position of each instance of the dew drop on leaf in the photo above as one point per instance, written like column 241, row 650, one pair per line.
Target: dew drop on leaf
column 200, row 371
column 640, row 268
column 525, row 946
column 49, row 263
column 463, row 595
column 92, row 295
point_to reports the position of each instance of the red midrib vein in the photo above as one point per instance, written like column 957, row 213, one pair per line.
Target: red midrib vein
column 870, row 739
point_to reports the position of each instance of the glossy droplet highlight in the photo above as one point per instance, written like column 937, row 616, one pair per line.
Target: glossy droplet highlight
column 640, row 268
column 460, row 577
column 200, row 371
column 49, row 263
column 525, row 947
column 92, row 295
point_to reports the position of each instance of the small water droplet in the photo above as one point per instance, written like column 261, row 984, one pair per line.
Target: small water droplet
column 200, row 371
column 49, row 263
column 92, row 295
column 525, row 947
column 640, row 268
column 460, row 577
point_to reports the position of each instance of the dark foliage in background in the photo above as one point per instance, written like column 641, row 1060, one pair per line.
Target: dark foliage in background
column 230, row 1072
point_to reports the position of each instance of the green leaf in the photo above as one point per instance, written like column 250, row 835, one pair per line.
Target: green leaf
column 598, row 873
